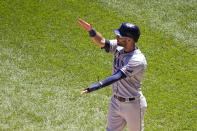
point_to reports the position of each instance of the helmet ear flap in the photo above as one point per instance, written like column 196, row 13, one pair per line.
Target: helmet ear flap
column 134, row 37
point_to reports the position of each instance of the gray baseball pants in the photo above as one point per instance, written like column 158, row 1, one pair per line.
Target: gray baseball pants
column 130, row 113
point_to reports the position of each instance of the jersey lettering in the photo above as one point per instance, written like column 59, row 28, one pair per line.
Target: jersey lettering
column 118, row 62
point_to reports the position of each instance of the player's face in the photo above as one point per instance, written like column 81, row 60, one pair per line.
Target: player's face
column 121, row 41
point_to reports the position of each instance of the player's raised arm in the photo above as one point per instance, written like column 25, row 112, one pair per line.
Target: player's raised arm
column 95, row 36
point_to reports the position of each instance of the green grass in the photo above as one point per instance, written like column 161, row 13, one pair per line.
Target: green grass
column 46, row 59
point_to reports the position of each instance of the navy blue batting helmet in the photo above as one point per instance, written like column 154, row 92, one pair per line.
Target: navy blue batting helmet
column 128, row 30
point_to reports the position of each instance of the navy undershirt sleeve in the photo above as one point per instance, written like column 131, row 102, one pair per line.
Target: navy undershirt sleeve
column 107, row 81
column 107, row 45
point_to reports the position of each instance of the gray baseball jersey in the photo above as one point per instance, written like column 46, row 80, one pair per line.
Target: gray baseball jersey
column 133, row 65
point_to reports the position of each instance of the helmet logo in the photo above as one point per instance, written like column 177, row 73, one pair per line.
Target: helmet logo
column 130, row 25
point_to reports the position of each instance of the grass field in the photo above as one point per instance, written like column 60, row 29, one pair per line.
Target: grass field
column 46, row 59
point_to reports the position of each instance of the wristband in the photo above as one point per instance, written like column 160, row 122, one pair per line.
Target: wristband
column 87, row 90
column 92, row 33
column 94, row 87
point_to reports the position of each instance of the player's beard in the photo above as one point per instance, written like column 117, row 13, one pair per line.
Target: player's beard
column 121, row 43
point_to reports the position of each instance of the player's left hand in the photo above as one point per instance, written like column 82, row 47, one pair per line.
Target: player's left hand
column 84, row 92
column 85, row 25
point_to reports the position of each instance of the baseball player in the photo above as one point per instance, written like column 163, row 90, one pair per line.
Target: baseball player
column 128, row 104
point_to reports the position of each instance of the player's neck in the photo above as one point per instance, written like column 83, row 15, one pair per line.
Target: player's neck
column 129, row 48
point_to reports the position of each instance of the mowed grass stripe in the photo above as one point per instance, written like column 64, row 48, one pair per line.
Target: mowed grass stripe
column 47, row 59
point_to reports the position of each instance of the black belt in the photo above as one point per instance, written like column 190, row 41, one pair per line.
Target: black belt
column 122, row 99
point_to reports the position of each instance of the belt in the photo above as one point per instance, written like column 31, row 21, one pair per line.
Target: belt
column 122, row 99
